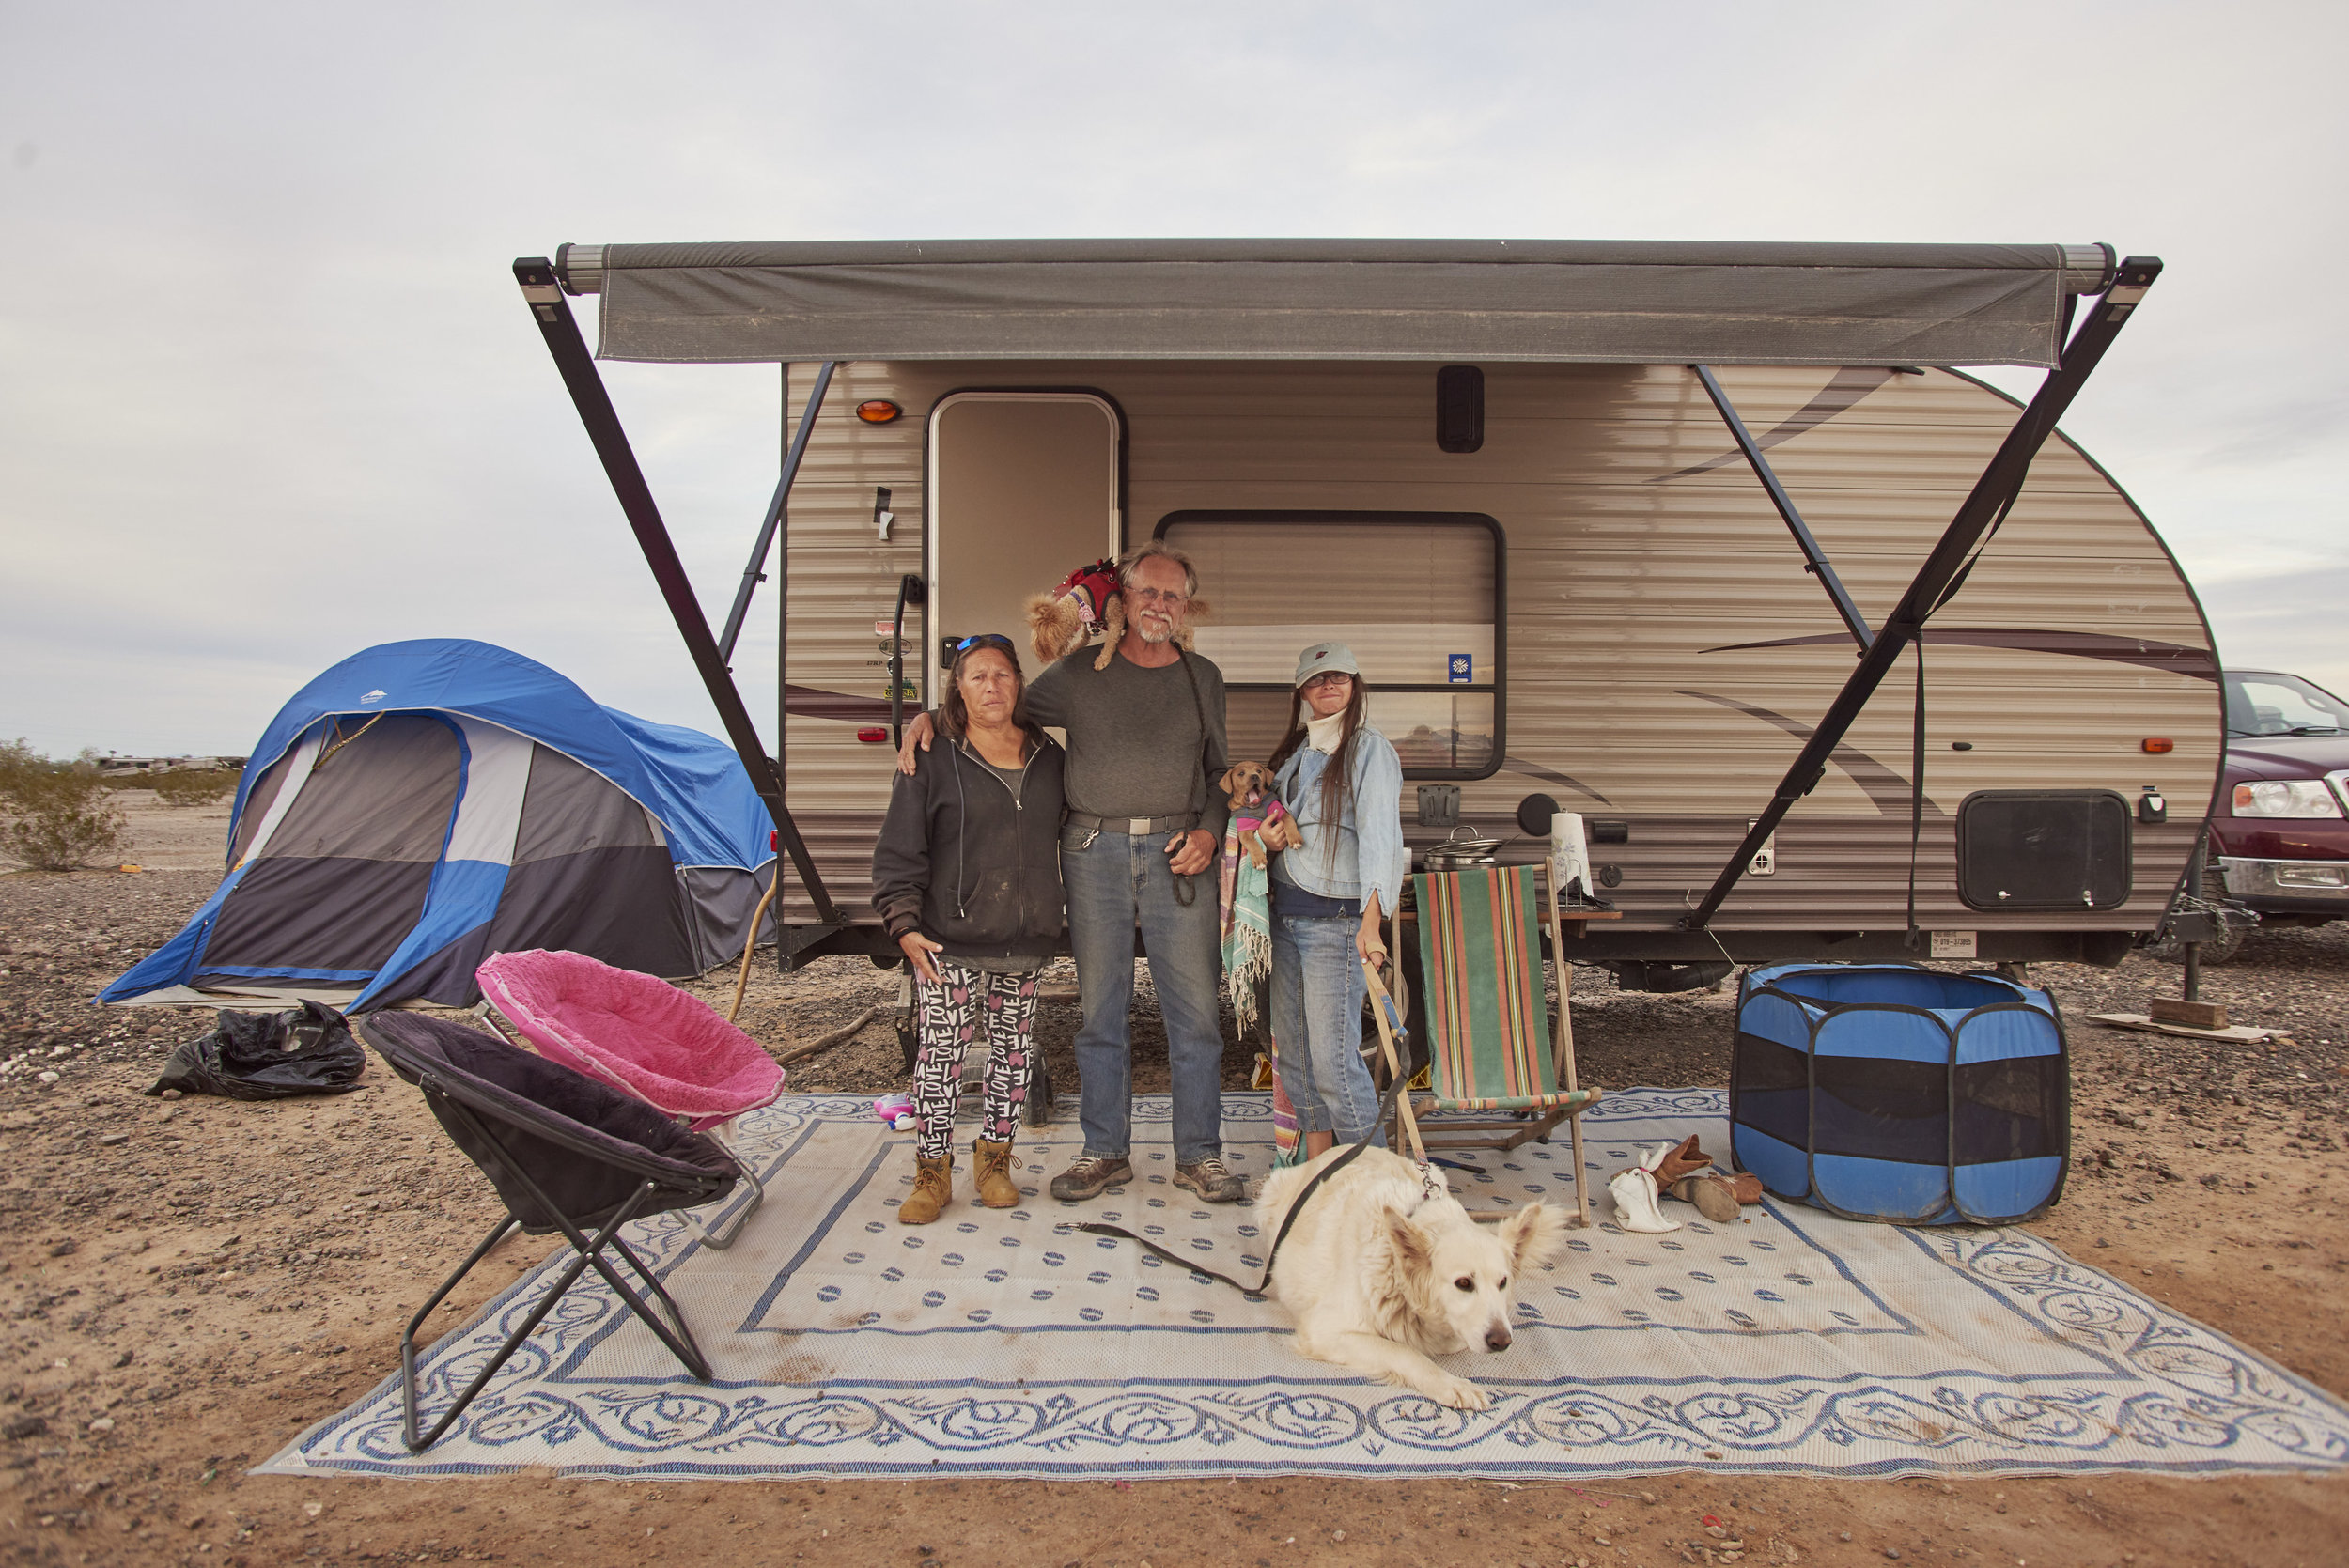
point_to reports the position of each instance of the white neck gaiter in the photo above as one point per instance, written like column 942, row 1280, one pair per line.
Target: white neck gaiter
column 1323, row 735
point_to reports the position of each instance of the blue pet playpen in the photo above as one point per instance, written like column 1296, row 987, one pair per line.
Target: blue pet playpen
column 1887, row 1092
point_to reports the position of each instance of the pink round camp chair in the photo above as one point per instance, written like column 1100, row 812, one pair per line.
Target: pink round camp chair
column 638, row 1033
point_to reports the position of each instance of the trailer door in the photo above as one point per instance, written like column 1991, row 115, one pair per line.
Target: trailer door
column 1024, row 490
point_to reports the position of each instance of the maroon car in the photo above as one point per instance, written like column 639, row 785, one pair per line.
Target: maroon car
column 2279, row 836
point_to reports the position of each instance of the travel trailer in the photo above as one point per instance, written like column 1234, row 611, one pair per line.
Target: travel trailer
column 1837, row 651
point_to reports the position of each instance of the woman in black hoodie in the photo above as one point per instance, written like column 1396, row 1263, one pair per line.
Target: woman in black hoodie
column 967, row 878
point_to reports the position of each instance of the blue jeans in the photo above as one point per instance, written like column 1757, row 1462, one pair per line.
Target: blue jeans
column 1317, row 994
column 1113, row 882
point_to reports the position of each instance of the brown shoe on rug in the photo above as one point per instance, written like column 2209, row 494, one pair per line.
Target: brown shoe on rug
column 933, row 1189
column 1716, row 1197
column 1211, row 1179
column 991, row 1166
column 1090, row 1175
column 1683, row 1161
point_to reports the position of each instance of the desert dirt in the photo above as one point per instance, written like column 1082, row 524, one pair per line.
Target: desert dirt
column 188, row 1284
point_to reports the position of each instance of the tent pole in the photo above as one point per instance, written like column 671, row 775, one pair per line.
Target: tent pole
column 1945, row 570
column 1814, row 559
column 578, row 369
column 752, row 574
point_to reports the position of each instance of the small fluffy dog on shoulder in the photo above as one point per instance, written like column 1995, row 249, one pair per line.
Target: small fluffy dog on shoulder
column 1379, row 1276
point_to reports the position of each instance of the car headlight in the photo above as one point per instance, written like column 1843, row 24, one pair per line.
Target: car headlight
column 2285, row 798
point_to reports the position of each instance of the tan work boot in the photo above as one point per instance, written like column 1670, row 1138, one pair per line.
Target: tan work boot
column 991, row 1166
column 933, row 1189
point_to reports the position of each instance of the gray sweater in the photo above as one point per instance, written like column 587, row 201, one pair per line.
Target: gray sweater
column 1135, row 746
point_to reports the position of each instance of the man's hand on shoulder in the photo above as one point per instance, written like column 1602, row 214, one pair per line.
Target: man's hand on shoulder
column 917, row 734
column 1190, row 853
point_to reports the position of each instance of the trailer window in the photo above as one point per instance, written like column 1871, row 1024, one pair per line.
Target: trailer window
column 1417, row 596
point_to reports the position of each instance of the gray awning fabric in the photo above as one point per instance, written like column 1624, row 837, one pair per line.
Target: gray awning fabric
column 1592, row 302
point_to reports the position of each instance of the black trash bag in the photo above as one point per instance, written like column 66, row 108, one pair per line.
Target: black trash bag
column 268, row 1056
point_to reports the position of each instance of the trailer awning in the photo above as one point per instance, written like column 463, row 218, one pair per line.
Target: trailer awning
column 1587, row 301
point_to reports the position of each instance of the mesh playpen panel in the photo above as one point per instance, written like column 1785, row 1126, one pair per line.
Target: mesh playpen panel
column 1886, row 1092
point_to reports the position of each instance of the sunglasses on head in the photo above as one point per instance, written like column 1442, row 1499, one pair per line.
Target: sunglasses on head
column 982, row 640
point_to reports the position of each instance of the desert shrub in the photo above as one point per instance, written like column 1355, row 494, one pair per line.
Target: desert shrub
column 55, row 815
column 193, row 786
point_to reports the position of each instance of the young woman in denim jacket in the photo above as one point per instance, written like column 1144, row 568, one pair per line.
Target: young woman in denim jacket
column 1343, row 782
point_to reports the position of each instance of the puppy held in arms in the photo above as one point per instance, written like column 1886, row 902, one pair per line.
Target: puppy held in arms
column 1259, row 819
column 1379, row 1276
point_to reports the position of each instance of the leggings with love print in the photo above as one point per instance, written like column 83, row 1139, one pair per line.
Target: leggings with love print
column 965, row 1003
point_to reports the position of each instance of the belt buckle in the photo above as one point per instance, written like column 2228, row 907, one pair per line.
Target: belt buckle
column 1139, row 827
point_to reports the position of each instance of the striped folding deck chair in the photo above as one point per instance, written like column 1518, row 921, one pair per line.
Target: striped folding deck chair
column 1489, row 1033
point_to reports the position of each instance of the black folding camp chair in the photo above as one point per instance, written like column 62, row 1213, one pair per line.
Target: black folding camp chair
column 566, row 1153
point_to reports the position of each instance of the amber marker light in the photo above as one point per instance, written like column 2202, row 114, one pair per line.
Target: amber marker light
column 878, row 410
column 2157, row 746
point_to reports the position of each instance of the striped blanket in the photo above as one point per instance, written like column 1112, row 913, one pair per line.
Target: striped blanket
column 1246, row 896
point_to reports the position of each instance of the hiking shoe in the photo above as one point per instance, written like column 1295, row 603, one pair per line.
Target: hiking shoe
column 1090, row 1175
column 990, row 1172
column 1211, row 1180
column 933, row 1189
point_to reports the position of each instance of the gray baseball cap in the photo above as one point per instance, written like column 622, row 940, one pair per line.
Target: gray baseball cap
column 1324, row 658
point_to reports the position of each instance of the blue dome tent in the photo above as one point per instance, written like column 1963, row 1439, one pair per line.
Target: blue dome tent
column 423, row 804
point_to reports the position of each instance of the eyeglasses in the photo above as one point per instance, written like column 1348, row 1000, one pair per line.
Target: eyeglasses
column 982, row 640
column 1327, row 677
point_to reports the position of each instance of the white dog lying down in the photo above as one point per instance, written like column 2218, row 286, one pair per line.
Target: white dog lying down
column 1379, row 1276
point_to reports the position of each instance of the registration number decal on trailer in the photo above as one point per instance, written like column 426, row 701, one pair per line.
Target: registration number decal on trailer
column 1953, row 944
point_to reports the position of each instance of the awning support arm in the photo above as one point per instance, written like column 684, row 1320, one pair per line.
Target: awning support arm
column 580, row 377
column 755, row 573
column 1993, row 493
column 1814, row 559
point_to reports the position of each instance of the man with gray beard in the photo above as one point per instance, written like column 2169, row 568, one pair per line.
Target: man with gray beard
column 1144, row 824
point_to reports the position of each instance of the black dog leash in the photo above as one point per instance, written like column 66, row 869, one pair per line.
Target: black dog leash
column 1385, row 1106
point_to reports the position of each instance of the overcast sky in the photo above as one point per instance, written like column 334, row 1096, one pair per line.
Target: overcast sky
column 268, row 395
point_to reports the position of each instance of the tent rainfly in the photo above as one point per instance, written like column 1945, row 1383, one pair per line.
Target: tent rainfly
column 423, row 805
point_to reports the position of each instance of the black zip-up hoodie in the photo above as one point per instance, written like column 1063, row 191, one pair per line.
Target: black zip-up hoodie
column 960, row 863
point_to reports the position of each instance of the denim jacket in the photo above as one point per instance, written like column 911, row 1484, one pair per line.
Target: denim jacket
column 1370, row 853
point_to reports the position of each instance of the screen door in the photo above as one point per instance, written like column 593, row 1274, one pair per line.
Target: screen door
column 1024, row 490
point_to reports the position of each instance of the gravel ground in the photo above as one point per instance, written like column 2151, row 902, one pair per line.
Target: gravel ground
column 187, row 1284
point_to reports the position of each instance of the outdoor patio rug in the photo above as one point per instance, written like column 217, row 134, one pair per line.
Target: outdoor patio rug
column 990, row 1343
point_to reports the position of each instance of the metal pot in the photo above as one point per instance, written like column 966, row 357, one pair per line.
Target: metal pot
column 1460, row 854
